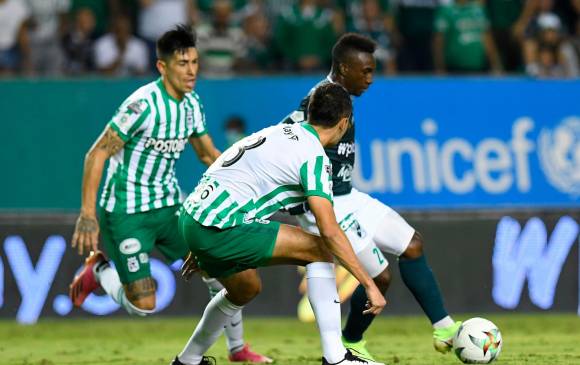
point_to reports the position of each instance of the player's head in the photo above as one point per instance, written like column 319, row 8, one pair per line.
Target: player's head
column 177, row 59
column 353, row 62
column 330, row 108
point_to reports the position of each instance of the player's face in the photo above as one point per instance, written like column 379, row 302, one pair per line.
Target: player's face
column 181, row 70
column 358, row 73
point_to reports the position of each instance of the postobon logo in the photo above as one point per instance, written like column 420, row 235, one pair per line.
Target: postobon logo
column 559, row 152
column 164, row 146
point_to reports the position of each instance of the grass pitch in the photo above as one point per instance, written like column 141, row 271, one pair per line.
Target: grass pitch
column 528, row 339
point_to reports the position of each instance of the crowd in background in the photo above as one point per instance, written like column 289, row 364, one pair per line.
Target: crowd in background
column 540, row 38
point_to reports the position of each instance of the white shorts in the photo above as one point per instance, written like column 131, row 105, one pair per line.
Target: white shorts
column 371, row 226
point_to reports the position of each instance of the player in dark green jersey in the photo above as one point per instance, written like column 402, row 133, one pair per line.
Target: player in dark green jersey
column 371, row 226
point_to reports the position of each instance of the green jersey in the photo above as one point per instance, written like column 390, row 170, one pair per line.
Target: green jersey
column 155, row 128
column 273, row 169
column 464, row 27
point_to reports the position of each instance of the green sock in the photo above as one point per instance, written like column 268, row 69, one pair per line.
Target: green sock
column 419, row 278
column 357, row 322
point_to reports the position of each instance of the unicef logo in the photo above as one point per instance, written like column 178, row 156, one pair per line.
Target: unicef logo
column 559, row 152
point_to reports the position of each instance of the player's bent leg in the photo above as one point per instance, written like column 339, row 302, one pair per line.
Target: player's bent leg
column 296, row 246
column 239, row 289
column 239, row 351
column 419, row 278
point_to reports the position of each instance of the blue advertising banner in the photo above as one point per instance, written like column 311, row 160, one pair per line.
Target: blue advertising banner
column 470, row 143
column 442, row 143
column 422, row 143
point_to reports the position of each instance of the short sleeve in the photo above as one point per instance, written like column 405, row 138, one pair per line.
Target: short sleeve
column 198, row 115
column 316, row 177
column 130, row 118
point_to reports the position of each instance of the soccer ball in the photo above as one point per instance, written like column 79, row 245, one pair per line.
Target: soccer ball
column 478, row 341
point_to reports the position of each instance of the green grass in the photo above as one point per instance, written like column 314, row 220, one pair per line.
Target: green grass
column 528, row 339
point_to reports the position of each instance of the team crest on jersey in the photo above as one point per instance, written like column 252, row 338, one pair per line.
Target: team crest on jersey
column 132, row 264
column 189, row 116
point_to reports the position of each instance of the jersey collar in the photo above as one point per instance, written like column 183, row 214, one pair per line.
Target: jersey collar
column 310, row 129
column 165, row 93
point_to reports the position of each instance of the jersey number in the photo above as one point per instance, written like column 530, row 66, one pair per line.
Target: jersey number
column 379, row 255
column 253, row 143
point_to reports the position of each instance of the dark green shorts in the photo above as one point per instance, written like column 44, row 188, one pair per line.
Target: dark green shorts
column 129, row 239
column 223, row 252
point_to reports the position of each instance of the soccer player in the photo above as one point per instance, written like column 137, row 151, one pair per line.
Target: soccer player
column 224, row 222
column 141, row 197
column 371, row 226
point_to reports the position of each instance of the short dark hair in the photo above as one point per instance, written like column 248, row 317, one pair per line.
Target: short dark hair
column 328, row 104
column 350, row 42
column 179, row 39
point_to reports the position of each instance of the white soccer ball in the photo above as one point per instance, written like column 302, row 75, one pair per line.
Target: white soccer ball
column 478, row 341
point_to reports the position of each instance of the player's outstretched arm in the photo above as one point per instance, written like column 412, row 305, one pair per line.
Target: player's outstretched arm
column 87, row 229
column 205, row 149
column 339, row 245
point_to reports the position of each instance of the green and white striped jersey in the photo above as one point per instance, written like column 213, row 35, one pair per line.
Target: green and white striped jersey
column 155, row 127
column 275, row 168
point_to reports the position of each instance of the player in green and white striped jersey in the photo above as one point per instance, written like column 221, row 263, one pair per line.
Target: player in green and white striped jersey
column 141, row 196
column 224, row 222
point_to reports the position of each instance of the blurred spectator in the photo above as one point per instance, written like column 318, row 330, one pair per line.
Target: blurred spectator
column 463, row 42
column 414, row 34
column 220, row 43
column 13, row 45
column 304, row 36
column 47, row 26
column 370, row 18
column 507, row 18
column 550, row 54
column 234, row 129
column 100, row 10
column 238, row 9
column 78, row 43
column 258, row 55
column 158, row 16
column 120, row 53
column 576, row 38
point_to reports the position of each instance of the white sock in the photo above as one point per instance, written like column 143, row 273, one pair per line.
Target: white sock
column 442, row 323
column 324, row 300
column 234, row 328
column 110, row 282
column 217, row 313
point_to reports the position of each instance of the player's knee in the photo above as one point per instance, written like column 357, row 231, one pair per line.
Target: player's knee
column 245, row 292
column 415, row 248
column 141, row 294
column 145, row 304
column 383, row 280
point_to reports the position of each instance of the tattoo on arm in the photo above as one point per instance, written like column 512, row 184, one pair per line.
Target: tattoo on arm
column 140, row 289
column 110, row 142
column 86, row 225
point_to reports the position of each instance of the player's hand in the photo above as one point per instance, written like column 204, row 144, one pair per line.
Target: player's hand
column 189, row 267
column 86, row 235
column 376, row 301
